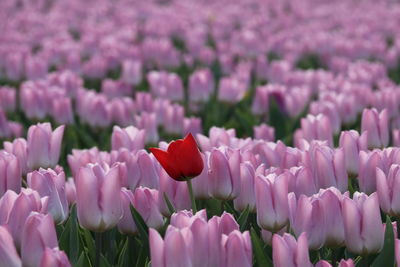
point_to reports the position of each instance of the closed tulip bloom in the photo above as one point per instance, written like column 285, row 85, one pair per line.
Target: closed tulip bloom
column 246, row 197
column 44, row 145
column 132, row 71
column 53, row 257
column 331, row 202
column 224, row 174
column 18, row 148
column 62, row 110
column 98, row 197
column 51, row 184
column 10, row 173
column 186, row 218
column 175, row 250
column 308, row 216
column 200, row 185
column 362, row 224
column 327, row 166
column 6, row 204
column 126, row 224
column 236, row 250
column 287, row 252
column 148, row 122
column 176, row 192
column 27, row 201
column 272, row 201
column 301, row 182
column 182, row 160
column 38, row 234
column 377, row 127
column 387, row 188
column 70, row 190
column 192, row 125
column 368, row 162
column 146, row 201
column 352, row 143
column 264, row 132
column 129, row 137
column 8, row 254
column 201, row 85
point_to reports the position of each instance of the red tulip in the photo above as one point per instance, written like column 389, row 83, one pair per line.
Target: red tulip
column 182, row 160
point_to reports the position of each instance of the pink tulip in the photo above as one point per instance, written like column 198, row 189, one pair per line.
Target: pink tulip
column 148, row 122
column 6, row 204
column 377, row 127
column 62, row 110
column 177, row 193
column 7, row 98
column 98, row 197
column 175, row 250
column 70, row 190
column 327, row 166
column 201, row 85
column 231, row 90
column 201, row 183
column 387, row 186
column 132, row 72
column 51, row 184
column 26, row 202
column 44, row 145
column 146, row 201
column 224, row 174
column 301, row 182
column 368, row 162
column 80, row 158
column 192, row 125
column 261, row 103
column 352, row 143
column 129, row 137
column 18, row 148
column 247, row 196
column 307, row 215
column 317, row 128
column 185, row 218
column 8, row 254
column 272, row 201
column 53, row 257
column 236, row 250
column 287, row 252
column 11, row 173
column 362, row 224
column 38, row 234
column 396, row 137
column 264, row 132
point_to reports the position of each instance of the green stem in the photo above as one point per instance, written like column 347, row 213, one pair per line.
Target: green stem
column 189, row 184
column 98, row 241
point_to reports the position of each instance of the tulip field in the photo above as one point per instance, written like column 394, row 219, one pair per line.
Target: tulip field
column 199, row 133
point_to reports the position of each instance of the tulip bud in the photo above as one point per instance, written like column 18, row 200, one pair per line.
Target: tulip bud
column 272, row 201
column 200, row 184
column 51, row 184
column 44, row 145
column 62, row 110
column 352, row 143
column 175, row 250
column 368, row 163
column 54, row 258
column 70, row 190
column 377, row 127
column 236, row 250
column 98, row 197
column 302, row 181
column 8, row 254
column 224, row 174
column 327, row 166
column 261, row 103
column 362, row 224
column 146, row 201
column 317, row 128
column 201, row 85
column 129, row 137
column 387, row 186
column 18, row 148
column 126, row 224
column 148, row 122
column 38, row 233
column 246, row 197
column 7, row 98
column 185, row 218
column 308, row 216
column 231, row 90
column 26, row 202
column 10, row 173
column 192, row 125
column 264, row 132
column 132, row 72
column 286, row 251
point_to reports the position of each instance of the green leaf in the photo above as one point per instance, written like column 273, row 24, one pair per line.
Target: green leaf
column 386, row 257
column 83, row 261
column 141, row 225
column 262, row 260
column 88, row 242
column 171, row 208
column 104, row 262
column 69, row 239
column 122, row 259
column 242, row 220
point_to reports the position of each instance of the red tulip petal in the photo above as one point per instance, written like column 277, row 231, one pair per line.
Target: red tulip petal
column 187, row 156
column 167, row 162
